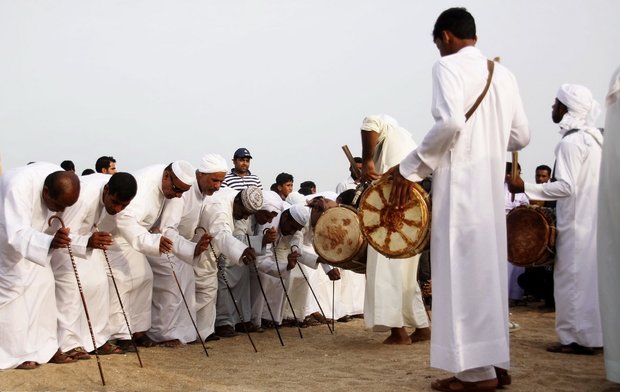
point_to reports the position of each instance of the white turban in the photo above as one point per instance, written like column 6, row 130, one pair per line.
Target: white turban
column 184, row 171
column 213, row 163
column 583, row 110
column 295, row 198
column 252, row 199
column 300, row 213
column 272, row 202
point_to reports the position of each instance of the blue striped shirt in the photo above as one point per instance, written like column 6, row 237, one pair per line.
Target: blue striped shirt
column 235, row 181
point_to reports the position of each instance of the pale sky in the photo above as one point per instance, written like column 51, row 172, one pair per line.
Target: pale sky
column 152, row 81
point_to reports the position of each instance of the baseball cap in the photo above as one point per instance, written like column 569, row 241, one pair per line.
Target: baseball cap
column 242, row 153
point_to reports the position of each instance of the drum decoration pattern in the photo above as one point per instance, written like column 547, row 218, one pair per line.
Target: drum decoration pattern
column 338, row 239
column 531, row 236
column 401, row 233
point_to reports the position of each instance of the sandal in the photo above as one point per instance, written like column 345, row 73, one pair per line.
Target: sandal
column 78, row 353
column 28, row 365
column 109, row 349
column 454, row 384
column 143, row 341
column 573, row 348
column 61, row 358
column 174, row 343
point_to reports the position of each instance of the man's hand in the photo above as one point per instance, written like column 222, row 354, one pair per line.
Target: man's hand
column 401, row 188
column 202, row 244
column 165, row 245
column 61, row 239
column 368, row 171
column 515, row 185
column 248, row 256
column 269, row 236
column 100, row 240
column 334, row 274
column 292, row 260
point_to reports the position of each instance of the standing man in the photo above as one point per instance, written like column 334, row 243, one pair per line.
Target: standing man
column 577, row 165
column 29, row 196
column 105, row 165
column 393, row 297
column 466, row 155
column 240, row 176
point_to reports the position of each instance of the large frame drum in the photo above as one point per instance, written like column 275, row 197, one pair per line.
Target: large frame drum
column 531, row 236
column 338, row 239
column 397, row 234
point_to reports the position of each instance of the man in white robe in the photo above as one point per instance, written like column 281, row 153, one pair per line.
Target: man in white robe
column 171, row 323
column 218, row 219
column 578, row 161
column 466, row 156
column 609, row 232
column 29, row 196
column 101, row 196
column 393, row 298
column 133, row 241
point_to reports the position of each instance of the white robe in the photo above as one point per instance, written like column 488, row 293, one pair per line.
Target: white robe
column 578, row 161
column 393, row 298
column 468, row 243
column 609, row 232
column 73, row 330
column 132, row 243
column 27, row 301
column 170, row 318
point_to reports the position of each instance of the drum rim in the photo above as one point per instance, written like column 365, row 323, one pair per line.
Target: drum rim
column 545, row 255
column 361, row 245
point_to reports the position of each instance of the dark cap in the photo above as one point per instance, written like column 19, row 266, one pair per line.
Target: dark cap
column 242, row 153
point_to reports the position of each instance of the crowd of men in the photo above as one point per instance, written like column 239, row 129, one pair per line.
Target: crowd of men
column 173, row 253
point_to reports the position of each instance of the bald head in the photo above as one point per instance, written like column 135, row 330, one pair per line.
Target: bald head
column 61, row 189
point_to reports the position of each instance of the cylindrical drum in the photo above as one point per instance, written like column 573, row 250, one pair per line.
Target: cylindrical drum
column 531, row 236
column 339, row 241
column 395, row 233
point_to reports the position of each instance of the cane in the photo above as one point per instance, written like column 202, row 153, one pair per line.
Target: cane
column 312, row 291
column 77, row 278
column 219, row 268
column 515, row 170
column 189, row 312
column 262, row 290
column 118, row 295
column 275, row 254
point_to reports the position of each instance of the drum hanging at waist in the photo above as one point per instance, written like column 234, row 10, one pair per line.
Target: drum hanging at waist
column 531, row 234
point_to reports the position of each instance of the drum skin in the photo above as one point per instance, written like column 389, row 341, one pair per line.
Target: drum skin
column 339, row 241
column 531, row 236
column 397, row 234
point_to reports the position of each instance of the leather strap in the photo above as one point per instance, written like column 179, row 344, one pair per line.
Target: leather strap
column 490, row 67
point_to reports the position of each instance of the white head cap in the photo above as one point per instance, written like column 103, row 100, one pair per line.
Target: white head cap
column 184, row 171
column 252, row 199
column 300, row 213
column 272, row 202
column 583, row 110
column 213, row 163
column 295, row 198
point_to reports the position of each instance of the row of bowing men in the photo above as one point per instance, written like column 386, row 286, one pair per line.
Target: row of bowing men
column 142, row 244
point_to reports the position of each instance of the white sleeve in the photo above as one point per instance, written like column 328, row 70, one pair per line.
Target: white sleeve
column 567, row 168
column 169, row 223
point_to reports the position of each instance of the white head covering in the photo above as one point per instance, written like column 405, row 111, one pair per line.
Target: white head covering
column 184, row 171
column 272, row 202
column 583, row 110
column 326, row 194
column 295, row 198
column 213, row 163
column 252, row 198
column 300, row 213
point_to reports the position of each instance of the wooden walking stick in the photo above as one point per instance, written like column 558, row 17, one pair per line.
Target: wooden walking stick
column 262, row 290
column 79, row 284
column 312, row 291
column 275, row 254
column 515, row 170
column 118, row 295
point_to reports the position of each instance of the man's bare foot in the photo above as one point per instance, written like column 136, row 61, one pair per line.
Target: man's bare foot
column 421, row 335
column 398, row 336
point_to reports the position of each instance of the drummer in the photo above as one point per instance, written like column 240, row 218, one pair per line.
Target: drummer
column 387, row 305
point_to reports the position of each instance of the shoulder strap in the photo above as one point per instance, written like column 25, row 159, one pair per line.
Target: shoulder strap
column 490, row 67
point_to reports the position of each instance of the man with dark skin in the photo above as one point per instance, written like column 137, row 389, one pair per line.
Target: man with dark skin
column 240, row 176
column 543, row 174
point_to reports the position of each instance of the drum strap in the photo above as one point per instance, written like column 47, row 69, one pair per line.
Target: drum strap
column 490, row 67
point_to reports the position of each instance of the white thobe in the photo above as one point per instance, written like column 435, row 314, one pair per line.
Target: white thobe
column 73, row 330
column 609, row 232
column 393, row 298
column 132, row 243
column 468, row 243
column 346, row 184
column 575, row 281
column 170, row 318
column 514, row 290
column 27, row 301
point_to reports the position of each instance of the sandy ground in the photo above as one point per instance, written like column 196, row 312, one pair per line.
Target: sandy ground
column 350, row 359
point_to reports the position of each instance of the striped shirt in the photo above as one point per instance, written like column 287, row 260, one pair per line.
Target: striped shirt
column 235, row 181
